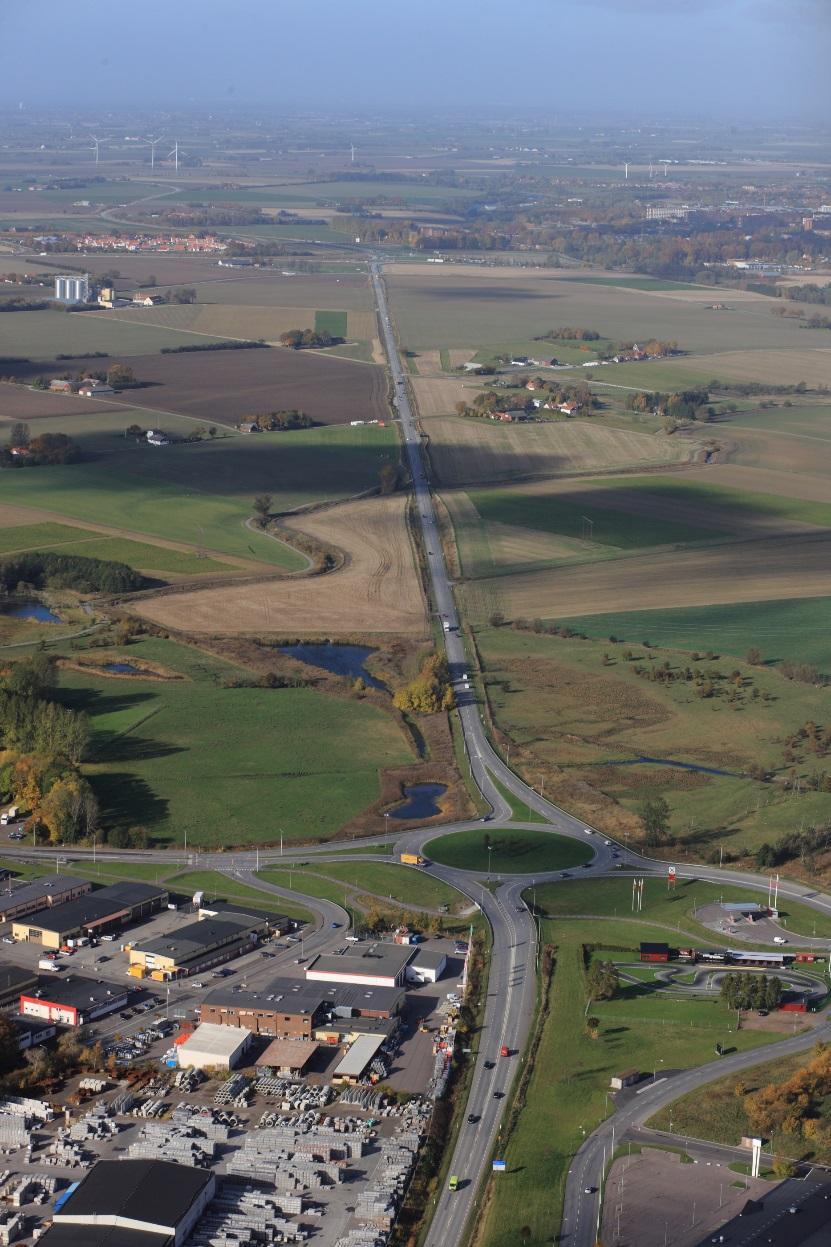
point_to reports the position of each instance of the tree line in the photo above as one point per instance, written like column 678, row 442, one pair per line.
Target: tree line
column 303, row 339
column 751, row 991
column 269, row 421
column 40, row 569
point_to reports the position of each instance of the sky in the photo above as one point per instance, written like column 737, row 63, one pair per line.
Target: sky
column 739, row 60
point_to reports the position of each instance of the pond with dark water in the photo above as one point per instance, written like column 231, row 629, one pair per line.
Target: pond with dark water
column 36, row 612
column 347, row 660
column 422, row 801
column 121, row 668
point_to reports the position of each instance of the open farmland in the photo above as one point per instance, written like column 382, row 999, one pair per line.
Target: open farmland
column 43, row 335
column 768, row 569
column 806, row 361
column 244, row 321
column 378, row 589
column 169, row 754
column 201, row 493
column 19, row 403
column 464, row 450
column 453, row 306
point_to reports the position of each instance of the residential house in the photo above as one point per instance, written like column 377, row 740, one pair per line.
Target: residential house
column 156, row 437
column 141, row 299
column 512, row 416
column 569, row 408
column 249, row 426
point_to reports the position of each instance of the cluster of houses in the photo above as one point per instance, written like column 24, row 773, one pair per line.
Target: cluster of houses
column 209, row 244
column 88, row 387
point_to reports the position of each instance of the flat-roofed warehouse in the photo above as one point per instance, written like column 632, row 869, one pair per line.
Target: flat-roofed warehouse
column 214, row 1047
column 72, row 999
column 285, row 1009
column 196, row 947
column 106, row 910
column 28, row 898
column 278, row 923
column 132, row 1203
column 13, row 981
column 375, row 965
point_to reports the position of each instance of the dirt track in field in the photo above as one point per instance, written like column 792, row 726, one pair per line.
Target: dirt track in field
column 752, row 571
column 378, row 590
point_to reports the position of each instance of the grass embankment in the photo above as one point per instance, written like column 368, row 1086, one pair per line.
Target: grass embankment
column 520, row 810
column 340, row 881
column 512, row 852
column 617, row 706
column 718, row 1111
column 228, row 766
column 219, row 887
column 566, row 1094
column 673, row 908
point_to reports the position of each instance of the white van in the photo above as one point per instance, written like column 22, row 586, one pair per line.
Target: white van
column 779, row 939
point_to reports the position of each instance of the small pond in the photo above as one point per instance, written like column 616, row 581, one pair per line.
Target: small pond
column 34, row 611
column 421, row 801
column 122, row 668
column 339, row 659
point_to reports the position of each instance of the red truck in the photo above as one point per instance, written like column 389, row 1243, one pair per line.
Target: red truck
column 504, row 1051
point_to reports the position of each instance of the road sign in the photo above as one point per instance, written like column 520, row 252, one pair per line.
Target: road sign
column 499, row 1166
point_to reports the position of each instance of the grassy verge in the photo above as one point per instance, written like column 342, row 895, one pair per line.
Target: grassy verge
column 217, row 886
column 520, row 810
column 566, row 1095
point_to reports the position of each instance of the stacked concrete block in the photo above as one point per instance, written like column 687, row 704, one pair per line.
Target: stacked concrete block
column 243, row 1216
column 162, row 1141
column 12, row 1227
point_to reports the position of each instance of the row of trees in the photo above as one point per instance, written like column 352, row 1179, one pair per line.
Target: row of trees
column 43, row 570
column 430, row 691
column 46, row 448
column 795, row 1106
column 280, row 420
column 301, row 339
column 681, row 406
column 751, row 991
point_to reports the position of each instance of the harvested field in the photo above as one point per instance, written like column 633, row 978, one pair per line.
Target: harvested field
column 798, row 476
column 468, row 450
column 348, row 292
column 224, row 386
column 246, row 321
column 18, row 403
column 378, row 590
column 42, row 335
column 772, row 569
column 777, row 367
column 452, row 306
column 436, row 396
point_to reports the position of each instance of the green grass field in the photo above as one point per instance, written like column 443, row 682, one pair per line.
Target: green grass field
column 62, row 539
column 202, row 494
column 795, row 630
column 405, row 884
column 512, row 852
column 228, row 765
column 520, row 810
column 331, row 322
column 566, row 1093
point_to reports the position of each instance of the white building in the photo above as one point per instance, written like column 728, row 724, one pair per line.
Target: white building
column 157, row 438
column 426, row 966
column 211, row 1046
column 72, row 289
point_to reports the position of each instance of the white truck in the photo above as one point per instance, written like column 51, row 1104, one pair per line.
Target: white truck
column 46, row 964
column 9, row 815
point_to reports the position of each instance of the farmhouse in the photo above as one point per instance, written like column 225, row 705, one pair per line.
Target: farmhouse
column 140, row 299
column 59, row 385
column 156, row 437
column 249, row 426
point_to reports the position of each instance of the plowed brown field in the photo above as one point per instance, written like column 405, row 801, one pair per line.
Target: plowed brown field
column 378, row 590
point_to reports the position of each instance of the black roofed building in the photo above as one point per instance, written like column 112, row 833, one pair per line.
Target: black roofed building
column 197, row 946
column 132, row 1203
column 105, row 910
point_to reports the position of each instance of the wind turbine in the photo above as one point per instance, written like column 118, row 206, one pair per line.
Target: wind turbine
column 96, row 143
column 626, row 170
column 152, row 144
column 175, row 154
column 352, row 152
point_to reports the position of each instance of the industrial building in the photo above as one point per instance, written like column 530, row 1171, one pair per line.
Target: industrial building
column 28, row 898
column 373, row 965
column 72, row 289
column 352, row 1067
column 71, row 999
column 426, row 966
column 278, row 924
column 293, row 1009
column 654, row 952
column 196, row 947
column 290, row 1057
column 132, row 1203
column 32, row 1031
column 13, row 981
column 212, row 1047
column 108, row 909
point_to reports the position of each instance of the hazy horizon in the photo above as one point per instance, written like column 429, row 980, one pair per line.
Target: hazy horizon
column 742, row 60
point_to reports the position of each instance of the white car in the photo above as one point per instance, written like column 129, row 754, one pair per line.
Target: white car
column 779, row 939
column 588, row 831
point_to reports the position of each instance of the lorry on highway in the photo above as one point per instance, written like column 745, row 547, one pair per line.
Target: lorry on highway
column 45, row 963
column 413, row 859
column 504, row 1050
column 453, row 1184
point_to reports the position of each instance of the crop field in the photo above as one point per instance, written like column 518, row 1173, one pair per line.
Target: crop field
column 437, row 396
column 378, row 589
column 809, row 361
column 19, row 403
column 796, row 629
column 247, row 322
column 180, row 756
column 566, row 1092
column 42, row 335
column 768, row 569
column 466, row 450
column 284, row 194
column 225, row 386
column 622, row 737
column 201, row 494
column 451, row 306
column 503, row 851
